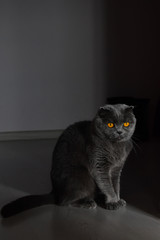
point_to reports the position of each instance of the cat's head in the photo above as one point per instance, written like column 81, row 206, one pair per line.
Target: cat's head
column 116, row 122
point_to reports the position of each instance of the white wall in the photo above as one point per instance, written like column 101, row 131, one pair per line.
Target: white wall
column 52, row 69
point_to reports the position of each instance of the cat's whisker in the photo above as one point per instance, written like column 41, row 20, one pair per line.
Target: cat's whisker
column 134, row 149
column 136, row 138
column 135, row 145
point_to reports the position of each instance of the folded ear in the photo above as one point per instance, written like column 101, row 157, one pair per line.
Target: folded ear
column 103, row 111
column 130, row 108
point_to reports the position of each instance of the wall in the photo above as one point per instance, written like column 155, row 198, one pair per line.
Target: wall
column 133, row 51
column 53, row 64
column 52, row 69
column 132, row 47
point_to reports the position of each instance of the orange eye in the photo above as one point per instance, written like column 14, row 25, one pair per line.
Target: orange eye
column 110, row 125
column 126, row 124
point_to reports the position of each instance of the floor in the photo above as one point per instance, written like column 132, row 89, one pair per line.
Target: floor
column 24, row 168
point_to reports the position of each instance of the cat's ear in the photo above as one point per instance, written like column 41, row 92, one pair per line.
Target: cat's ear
column 102, row 112
column 130, row 108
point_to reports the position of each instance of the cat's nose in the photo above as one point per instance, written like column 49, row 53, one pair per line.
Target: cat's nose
column 119, row 132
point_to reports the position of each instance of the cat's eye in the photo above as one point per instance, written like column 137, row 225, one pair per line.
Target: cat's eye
column 126, row 124
column 110, row 125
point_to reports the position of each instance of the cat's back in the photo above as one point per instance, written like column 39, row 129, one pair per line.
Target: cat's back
column 70, row 150
column 76, row 131
column 74, row 138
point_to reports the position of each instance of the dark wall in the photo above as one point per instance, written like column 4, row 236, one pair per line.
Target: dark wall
column 133, row 50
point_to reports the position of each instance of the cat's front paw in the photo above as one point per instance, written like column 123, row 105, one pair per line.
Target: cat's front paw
column 122, row 203
column 115, row 205
column 112, row 205
column 85, row 203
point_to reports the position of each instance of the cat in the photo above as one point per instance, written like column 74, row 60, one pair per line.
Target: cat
column 87, row 163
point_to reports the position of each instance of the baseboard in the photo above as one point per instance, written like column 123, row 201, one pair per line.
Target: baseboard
column 30, row 135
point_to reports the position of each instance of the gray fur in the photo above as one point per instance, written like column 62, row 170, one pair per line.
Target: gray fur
column 89, row 158
column 87, row 163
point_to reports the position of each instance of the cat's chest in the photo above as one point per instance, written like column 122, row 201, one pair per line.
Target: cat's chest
column 115, row 155
column 110, row 154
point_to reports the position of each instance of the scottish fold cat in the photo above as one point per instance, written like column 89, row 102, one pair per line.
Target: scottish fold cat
column 87, row 163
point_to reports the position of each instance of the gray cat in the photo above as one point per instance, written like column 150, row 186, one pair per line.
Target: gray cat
column 87, row 163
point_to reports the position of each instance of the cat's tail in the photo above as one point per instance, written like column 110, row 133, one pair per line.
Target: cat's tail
column 25, row 203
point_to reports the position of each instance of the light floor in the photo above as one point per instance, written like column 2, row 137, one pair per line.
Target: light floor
column 24, row 168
